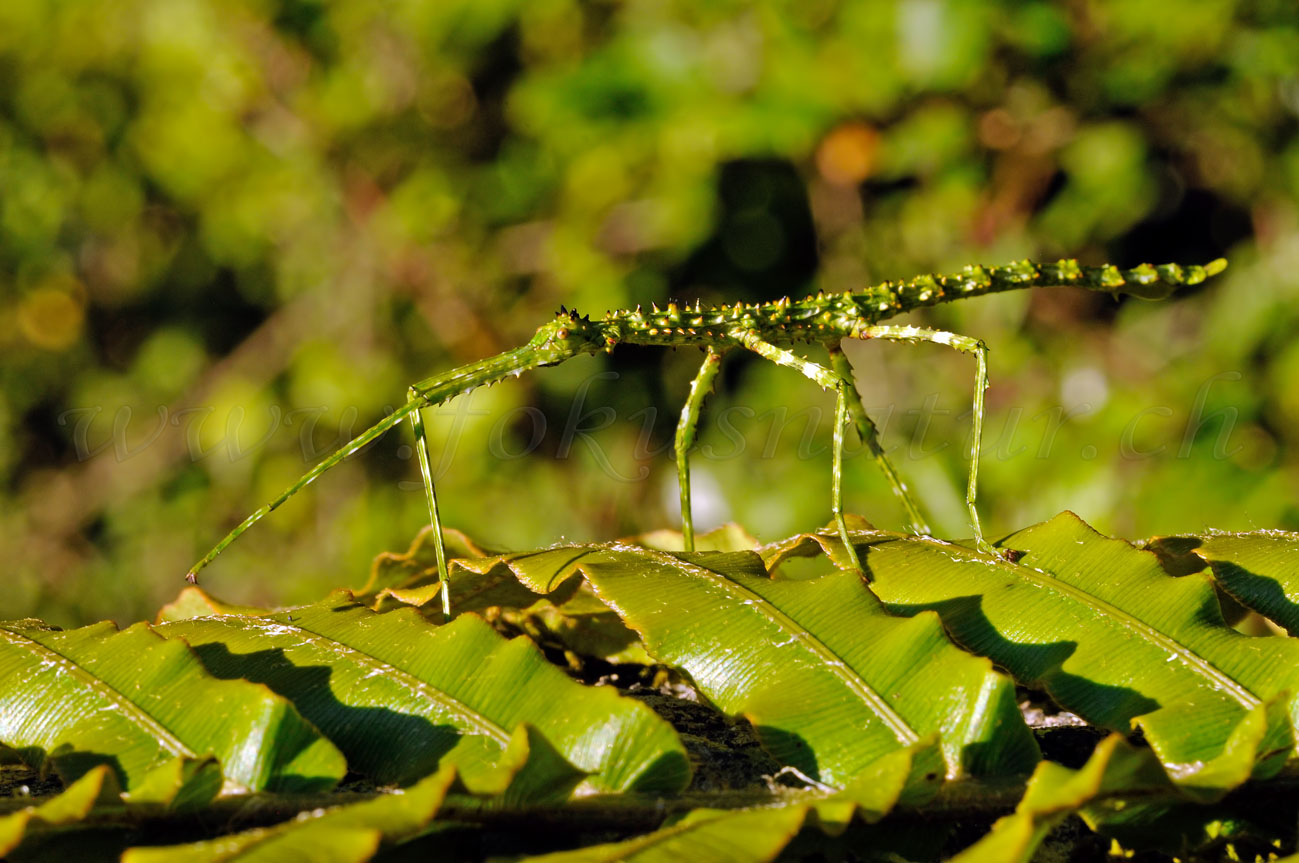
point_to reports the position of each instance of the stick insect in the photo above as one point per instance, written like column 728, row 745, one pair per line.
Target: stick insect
column 768, row 330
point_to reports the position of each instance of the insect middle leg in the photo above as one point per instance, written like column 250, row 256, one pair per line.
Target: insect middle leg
column 439, row 546
column 686, row 426
column 869, row 434
column 827, row 380
column 966, row 345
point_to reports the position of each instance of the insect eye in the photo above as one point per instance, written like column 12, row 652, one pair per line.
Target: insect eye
column 563, row 334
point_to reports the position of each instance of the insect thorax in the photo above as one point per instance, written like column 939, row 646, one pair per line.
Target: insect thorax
column 815, row 318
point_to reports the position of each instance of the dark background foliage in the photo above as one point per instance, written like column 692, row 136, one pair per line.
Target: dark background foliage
column 232, row 233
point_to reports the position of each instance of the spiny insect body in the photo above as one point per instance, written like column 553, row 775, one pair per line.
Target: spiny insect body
column 767, row 329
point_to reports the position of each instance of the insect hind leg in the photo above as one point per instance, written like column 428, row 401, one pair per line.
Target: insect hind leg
column 966, row 345
column 439, row 544
column 869, row 434
column 827, row 380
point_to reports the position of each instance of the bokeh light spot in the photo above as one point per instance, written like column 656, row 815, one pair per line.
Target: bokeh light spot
column 51, row 318
column 847, row 155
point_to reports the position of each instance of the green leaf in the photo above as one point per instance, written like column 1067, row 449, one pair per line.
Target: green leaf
column 728, row 537
column 1112, row 638
column 96, row 786
column 194, row 601
column 877, row 789
column 180, row 784
column 400, row 696
column 419, row 562
column 703, row 836
column 136, row 701
column 1259, row 569
column 479, row 579
column 530, row 771
column 583, row 626
column 825, row 541
column 1055, row 792
column 411, row 578
column 830, row 681
column 550, row 572
column 346, row 834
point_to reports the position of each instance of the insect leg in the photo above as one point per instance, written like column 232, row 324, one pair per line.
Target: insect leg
column 362, row 440
column 439, row 546
column 435, row 390
column 830, row 381
column 699, row 389
column 966, row 345
column 869, row 435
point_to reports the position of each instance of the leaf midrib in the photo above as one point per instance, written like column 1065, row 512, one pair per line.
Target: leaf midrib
column 1184, row 654
column 838, row 665
column 150, row 724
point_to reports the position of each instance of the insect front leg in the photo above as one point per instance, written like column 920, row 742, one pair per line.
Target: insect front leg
column 361, row 441
column 439, row 546
column 966, row 345
column 700, row 387
column 869, row 434
column 827, row 380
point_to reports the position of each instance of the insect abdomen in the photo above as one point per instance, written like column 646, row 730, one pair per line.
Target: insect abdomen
column 1145, row 280
column 823, row 316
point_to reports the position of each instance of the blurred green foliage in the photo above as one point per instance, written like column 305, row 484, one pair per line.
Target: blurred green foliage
column 233, row 231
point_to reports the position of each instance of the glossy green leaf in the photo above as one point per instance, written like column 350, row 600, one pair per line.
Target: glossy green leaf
column 411, row 578
column 400, row 696
column 180, row 784
column 479, row 579
column 703, row 836
column 1055, row 792
column 582, row 626
column 530, row 771
column 1259, row 569
column 550, row 572
column 194, row 601
column 419, row 562
column 830, row 681
column 96, row 786
column 346, row 834
column 1111, row 637
column 728, row 537
column 136, row 701
column 877, row 789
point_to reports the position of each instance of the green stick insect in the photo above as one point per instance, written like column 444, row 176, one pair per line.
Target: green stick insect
column 768, row 330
